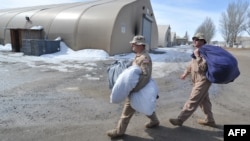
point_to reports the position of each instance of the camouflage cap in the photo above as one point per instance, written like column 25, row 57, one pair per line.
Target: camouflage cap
column 199, row 36
column 138, row 40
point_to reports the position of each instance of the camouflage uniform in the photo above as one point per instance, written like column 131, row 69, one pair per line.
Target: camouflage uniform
column 143, row 60
column 199, row 95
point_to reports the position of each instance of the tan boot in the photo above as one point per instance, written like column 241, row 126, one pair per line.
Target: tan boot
column 154, row 122
column 206, row 123
column 176, row 122
column 113, row 133
column 120, row 129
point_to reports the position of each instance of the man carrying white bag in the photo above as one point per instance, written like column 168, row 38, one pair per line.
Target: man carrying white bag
column 134, row 85
column 144, row 100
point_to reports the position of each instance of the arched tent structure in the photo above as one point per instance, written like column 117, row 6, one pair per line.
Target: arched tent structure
column 99, row 24
column 164, row 35
column 173, row 39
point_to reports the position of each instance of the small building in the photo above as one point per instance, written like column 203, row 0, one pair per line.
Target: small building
column 181, row 41
column 101, row 24
column 243, row 42
column 173, row 39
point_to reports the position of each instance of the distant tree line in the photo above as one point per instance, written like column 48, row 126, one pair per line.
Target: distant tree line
column 233, row 23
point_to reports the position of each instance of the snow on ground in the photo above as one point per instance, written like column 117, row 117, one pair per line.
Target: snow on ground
column 165, row 61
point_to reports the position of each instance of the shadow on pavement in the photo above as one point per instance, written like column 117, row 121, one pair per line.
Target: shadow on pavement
column 183, row 133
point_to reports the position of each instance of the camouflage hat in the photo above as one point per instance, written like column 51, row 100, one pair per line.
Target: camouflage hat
column 138, row 40
column 199, row 36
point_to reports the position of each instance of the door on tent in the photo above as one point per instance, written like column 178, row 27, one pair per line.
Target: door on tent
column 147, row 29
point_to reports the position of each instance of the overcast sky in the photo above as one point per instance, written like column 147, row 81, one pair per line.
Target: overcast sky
column 181, row 15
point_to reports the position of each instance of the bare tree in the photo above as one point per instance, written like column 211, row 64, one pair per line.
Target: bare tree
column 247, row 26
column 232, row 22
column 207, row 28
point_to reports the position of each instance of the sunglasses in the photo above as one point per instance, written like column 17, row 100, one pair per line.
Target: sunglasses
column 196, row 39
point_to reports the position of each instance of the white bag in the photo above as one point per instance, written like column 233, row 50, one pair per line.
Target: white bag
column 144, row 101
column 125, row 83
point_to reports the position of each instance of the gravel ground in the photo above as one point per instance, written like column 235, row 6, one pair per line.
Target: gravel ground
column 44, row 104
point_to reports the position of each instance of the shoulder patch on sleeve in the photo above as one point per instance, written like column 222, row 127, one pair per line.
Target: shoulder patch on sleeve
column 145, row 60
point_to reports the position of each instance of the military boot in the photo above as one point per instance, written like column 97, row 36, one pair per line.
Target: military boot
column 206, row 123
column 154, row 122
column 120, row 129
column 176, row 122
